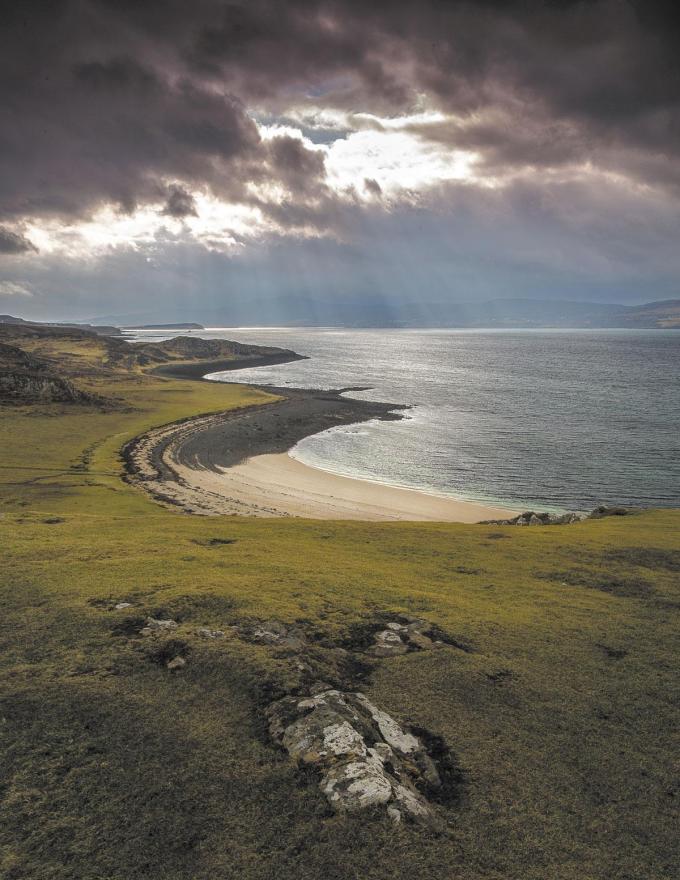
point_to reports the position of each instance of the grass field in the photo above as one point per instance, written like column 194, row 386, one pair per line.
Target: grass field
column 562, row 714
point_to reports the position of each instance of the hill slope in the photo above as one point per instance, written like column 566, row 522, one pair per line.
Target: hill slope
column 41, row 362
column 554, row 694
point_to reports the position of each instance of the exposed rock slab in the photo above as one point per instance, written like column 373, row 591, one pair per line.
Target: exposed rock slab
column 531, row 518
column 154, row 626
column 363, row 755
column 402, row 634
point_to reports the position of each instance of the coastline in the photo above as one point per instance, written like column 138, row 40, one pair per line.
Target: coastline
column 198, row 370
column 279, row 485
column 237, row 462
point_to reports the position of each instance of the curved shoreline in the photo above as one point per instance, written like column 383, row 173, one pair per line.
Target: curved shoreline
column 279, row 485
column 236, row 462
column 198, row 370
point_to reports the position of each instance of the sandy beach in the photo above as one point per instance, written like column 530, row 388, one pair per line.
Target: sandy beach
column 237, row 463
column 278, row 485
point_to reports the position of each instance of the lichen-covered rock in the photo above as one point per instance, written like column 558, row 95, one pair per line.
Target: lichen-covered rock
column 402, row 635
column 365, row 758
column 176, row 663
column 275, row 633
column 206, row 633
column 388, row 643
column 155, row 626
column 391, row 732
column 420, row 641
column 358, row 784
column 530, row 518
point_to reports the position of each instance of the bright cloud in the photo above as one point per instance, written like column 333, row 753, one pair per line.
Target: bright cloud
column 398, row 161
column 12, row 288
column 401, row 163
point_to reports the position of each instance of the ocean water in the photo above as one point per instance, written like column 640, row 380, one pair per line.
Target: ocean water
column 554, row 420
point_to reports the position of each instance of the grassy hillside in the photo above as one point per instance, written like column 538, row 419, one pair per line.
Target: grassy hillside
column 559, row 711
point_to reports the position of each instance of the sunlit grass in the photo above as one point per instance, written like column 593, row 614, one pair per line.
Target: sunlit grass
column 561, row 714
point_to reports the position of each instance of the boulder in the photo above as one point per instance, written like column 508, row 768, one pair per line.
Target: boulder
column 388, row 644
column 206, row 633
column 399, row 636
column 604, row 510
column 364, row 757
column 273, row 632
column 530, row 518
column 176, row 663
column 154, row 626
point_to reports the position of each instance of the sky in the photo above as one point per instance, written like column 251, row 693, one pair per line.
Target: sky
column 197, row 160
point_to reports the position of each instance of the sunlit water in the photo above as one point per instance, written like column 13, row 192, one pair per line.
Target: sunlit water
column 549, row 419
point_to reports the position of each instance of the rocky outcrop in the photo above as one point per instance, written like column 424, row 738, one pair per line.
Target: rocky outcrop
column 363, row 756
column 604, row 510
column 28, row 379
column 273, row 632
column 207, row 633
column 391, row 635
column 21, row 386
column 154, row 626
column 531, row 518
column 400, row 636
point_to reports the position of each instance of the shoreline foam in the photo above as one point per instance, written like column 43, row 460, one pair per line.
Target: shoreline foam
column 238, row 463
column 279, row 485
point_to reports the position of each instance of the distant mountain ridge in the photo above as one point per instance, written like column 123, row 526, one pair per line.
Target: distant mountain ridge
column 101, row 330
column 378, row 312
column 373, row 311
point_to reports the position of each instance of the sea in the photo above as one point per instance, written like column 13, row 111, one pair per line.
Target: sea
column 548, row 420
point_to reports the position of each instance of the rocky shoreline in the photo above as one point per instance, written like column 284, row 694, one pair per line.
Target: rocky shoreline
column 532, row 518
column 160, row 460
column 154, row 460
column 200, row 370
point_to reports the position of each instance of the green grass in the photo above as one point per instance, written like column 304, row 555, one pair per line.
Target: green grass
column 561, row 716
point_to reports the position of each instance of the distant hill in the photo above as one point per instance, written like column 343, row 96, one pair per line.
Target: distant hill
column 59, row 364
column 664, row 314
column 25, row 378
column 374, row 311
column 102, row 330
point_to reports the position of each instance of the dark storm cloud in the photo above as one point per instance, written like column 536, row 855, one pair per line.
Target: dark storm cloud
column 180, row 203
column 454, row 249
column 295, row 165
column 372, row 186
column 101, row 99
column 14, row 242
column 131, row 103
column 610, row 67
